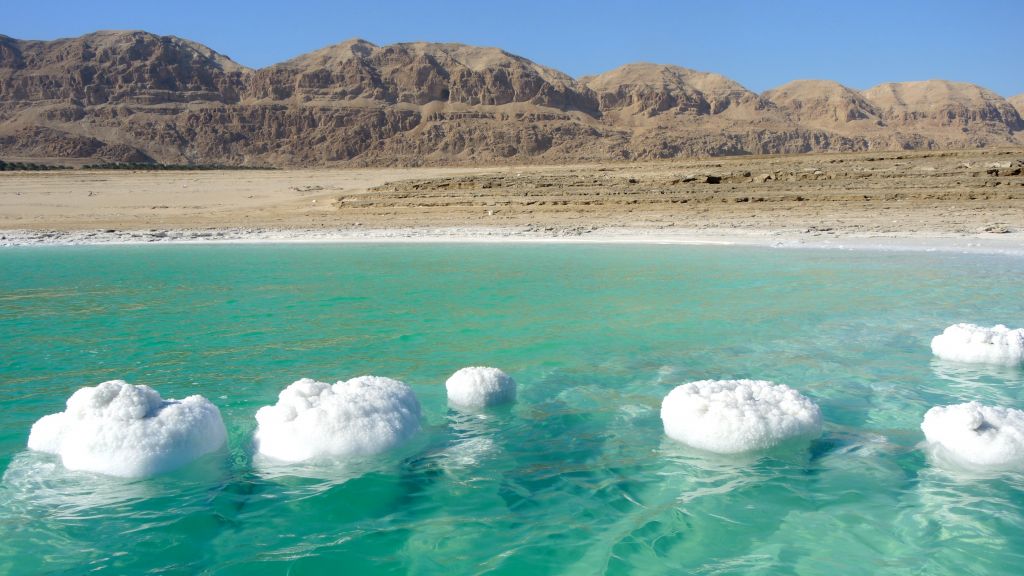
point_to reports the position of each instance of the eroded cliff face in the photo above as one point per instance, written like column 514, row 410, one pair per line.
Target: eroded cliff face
column 138, row 97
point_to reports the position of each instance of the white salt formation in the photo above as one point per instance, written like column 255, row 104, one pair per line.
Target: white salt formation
column 971, row 343
column 316, row 420
column 734, row 416
column 478, row 386
column 977, row 436
column 130, row 431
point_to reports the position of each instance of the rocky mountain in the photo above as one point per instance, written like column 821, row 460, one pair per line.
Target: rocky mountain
column 135, row 96
column 649, row 90
column 824, row 104
column 952, row 114
column 417, row 73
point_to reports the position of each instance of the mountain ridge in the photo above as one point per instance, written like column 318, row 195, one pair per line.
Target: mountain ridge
column 133, row 96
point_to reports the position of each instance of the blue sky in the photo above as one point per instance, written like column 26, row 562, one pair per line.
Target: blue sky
column 761, row 44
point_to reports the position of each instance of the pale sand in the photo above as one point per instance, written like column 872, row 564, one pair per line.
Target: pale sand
column 966, row 201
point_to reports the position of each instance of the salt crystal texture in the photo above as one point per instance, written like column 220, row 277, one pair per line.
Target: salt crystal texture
column 977, row 436
column 734, row 416
column 478, row 387
column 119, row 429
column 971, row 343
column 315, row 420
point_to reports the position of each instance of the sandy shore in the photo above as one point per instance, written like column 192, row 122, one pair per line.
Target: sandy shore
column 1007, row 244
column 965, row 201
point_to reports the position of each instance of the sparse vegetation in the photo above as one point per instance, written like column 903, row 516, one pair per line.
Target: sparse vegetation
column 35, row 167
column 29, row 166
column 156, row 166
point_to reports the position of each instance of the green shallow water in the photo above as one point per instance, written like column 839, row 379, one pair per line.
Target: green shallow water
column 576, row 477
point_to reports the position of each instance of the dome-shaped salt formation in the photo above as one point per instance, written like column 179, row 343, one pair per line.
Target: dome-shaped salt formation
column 123, row 430
column 976, row 436
column 971, row 343
column 734, row 416
column 478, row 386
column 314, row 420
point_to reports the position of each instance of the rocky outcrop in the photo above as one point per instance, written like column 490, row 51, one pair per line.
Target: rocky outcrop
column 137, row 97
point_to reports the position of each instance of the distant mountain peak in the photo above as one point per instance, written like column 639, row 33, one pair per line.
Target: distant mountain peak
column 647, row 89
column 1017, row 102
column 823, row 103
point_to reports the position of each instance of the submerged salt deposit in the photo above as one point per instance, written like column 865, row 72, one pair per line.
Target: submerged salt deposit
column 734, row 416
column 478, row 386
column 314, row 420
column 972, row 343
column 976, row 436
column 123, row 430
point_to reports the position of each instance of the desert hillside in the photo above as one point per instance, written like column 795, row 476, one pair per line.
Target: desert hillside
column 139, row 97
column 1018, row 103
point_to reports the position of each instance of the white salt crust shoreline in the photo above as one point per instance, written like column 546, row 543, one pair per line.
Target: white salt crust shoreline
column 1006, row 244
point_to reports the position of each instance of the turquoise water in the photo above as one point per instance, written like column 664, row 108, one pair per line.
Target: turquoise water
column 576, row 477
